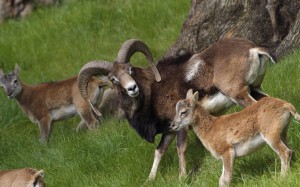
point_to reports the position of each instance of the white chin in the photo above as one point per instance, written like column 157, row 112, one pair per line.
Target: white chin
column 175, row 128
column 133, row 94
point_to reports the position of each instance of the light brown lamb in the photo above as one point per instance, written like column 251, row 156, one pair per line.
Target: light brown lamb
column 24, row 177
column 238, row 134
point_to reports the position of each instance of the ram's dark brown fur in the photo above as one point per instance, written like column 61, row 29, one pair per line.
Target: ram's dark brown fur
column 231, row 69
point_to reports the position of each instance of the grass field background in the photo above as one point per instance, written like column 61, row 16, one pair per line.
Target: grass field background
column 54, row 43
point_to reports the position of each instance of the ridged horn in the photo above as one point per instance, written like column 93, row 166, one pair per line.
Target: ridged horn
column 89, row 70
column 130, row 47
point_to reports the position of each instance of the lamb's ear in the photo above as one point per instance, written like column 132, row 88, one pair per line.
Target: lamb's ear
column 194, row 99
column 16, row 70
column 196, row 96
column 39, row 174
column 189, row 94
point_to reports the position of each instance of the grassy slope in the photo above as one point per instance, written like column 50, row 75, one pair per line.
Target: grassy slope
column 54, row 43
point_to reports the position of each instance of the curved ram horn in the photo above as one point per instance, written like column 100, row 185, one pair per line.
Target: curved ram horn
column 86, row 73
column 130, row 47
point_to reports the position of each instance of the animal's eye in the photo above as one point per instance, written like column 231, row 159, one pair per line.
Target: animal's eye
column 130, row 70
column 114, row 80
column 15, row 82
column 183, row 112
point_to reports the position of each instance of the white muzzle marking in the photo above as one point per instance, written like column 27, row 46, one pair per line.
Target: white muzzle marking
column 132, row 89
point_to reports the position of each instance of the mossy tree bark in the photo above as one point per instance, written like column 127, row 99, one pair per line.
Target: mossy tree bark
column 274, row 24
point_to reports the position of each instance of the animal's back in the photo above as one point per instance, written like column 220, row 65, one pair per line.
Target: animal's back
column 25, row 177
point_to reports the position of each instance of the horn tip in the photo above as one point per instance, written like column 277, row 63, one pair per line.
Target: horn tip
column 94, row 109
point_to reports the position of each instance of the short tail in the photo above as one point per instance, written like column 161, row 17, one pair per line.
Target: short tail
column 293, row 111
column 297, row 116
column 263, row 51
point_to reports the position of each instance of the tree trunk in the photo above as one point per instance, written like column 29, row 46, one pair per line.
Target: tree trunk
column 274, row 24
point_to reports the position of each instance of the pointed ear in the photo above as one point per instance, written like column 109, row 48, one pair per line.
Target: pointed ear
column 194, row 99
column 16, row 70
column 39, row 174
column 196, row 96
column 189, row 94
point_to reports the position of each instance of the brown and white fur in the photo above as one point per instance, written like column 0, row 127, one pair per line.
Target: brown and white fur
column 24, row 177
column 228, row 72
column 48, row 102
column 238, row 134
column 110, row 105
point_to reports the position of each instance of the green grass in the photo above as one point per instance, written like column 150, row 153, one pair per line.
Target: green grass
column 54, row 43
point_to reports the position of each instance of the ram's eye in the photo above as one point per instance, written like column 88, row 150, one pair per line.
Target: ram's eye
column 130, row 70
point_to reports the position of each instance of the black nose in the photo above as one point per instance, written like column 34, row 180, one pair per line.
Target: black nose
column 9, row 93
column 132, row 88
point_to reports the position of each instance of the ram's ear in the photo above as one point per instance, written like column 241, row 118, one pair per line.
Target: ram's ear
column 16, row 70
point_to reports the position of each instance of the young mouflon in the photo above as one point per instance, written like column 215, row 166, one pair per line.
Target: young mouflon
column 238, row 134
column 23, row 177
column 48, row 102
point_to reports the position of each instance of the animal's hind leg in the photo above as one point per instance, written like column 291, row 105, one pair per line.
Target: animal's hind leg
column 244, row 98
column 239, row 94
column 284, row 153
column 86, row 115
column 181, row 148
column 257, row 93
column 164, row 143
column 81, row 125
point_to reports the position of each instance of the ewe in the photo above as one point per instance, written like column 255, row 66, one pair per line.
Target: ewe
column 48, row 102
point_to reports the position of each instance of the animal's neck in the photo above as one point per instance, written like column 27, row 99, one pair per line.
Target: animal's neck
column 203, row 120
column 22, row 93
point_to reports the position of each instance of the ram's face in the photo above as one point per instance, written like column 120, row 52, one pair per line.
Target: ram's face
column 121, row 77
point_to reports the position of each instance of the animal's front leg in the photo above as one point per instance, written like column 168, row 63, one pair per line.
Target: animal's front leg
column 164, row 143
column 45, row 129
column 181, row 148
column 228, row 160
